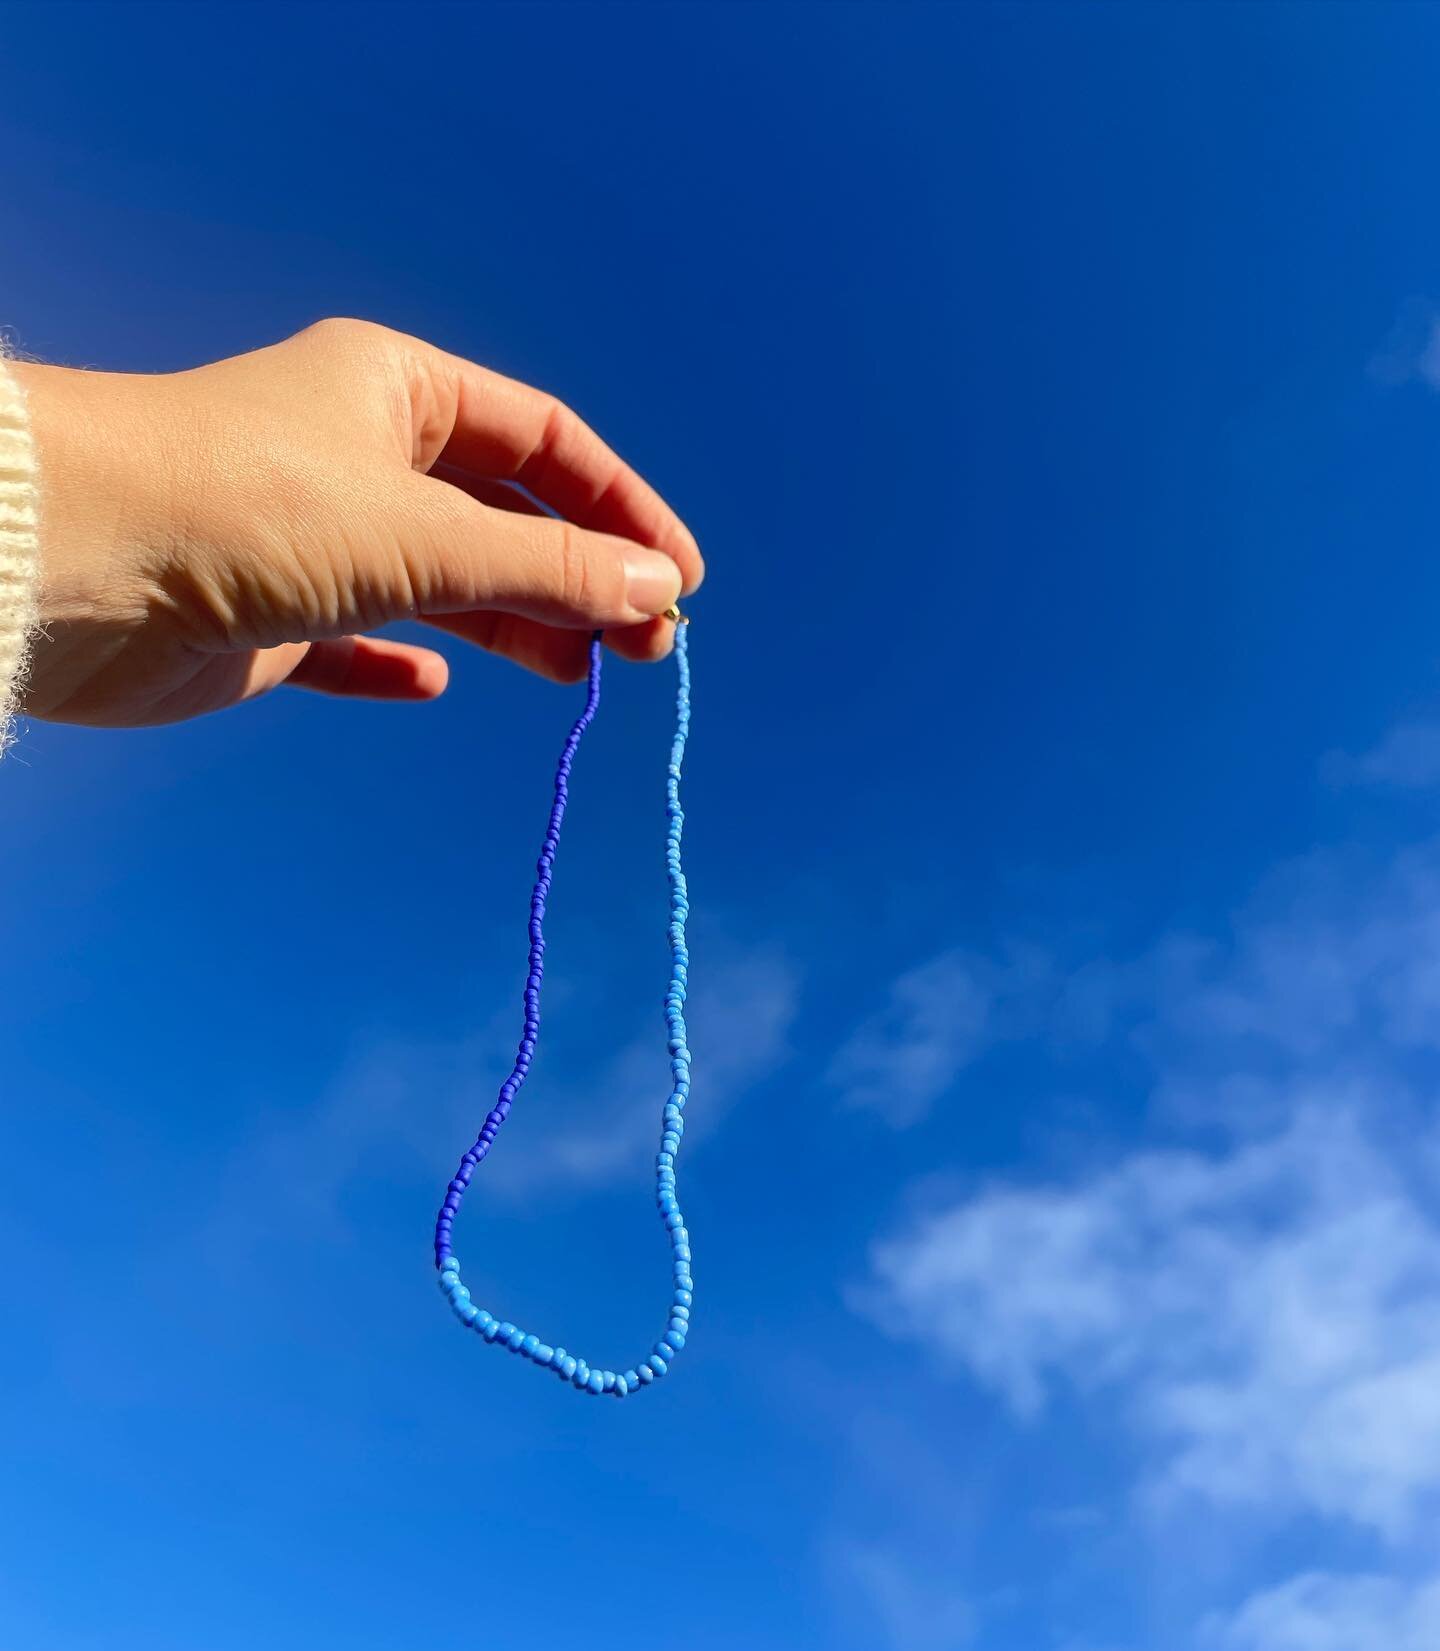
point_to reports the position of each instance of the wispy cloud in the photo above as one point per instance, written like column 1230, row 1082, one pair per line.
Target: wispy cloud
column 1322, row 1612
column 740, row 1013
column 1255, row 1298
column 937, row 1019
column 406, row 1109
column 1271, row 1316
column 1408, row 758
column 1411, row 349
column 914, row 1611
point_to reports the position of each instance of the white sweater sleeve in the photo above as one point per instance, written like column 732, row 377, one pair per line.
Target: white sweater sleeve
column 19, row 547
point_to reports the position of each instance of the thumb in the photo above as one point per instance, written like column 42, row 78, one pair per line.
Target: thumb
column 465, row 555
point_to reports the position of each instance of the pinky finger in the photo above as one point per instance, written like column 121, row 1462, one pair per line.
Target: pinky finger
column 370, row 667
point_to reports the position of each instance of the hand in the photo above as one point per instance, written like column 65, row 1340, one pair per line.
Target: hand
column 207, row 535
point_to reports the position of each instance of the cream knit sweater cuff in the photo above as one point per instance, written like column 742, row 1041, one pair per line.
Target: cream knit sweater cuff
column 19, row 547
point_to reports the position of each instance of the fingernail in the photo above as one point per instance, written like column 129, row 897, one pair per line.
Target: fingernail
column 652, row 581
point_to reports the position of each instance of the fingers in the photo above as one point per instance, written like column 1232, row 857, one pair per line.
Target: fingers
column 507, row 430
column 462, row 555
column 644, row 644
column 560, row 655
column 368, row 667
column 552, row 653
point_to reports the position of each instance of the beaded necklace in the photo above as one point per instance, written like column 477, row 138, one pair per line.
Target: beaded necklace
column 570, row 1368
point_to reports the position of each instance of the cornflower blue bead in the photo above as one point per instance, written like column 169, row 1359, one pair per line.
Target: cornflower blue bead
column 570, row 1368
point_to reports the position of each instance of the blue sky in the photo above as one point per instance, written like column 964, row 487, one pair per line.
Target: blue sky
column 1056, row 395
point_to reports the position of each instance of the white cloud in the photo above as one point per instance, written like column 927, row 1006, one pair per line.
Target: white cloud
column 938, row 1018
column 1407, row 758
column 915, row 1611
column 1322, row 1612
column 1411, row 351
column 1265, row 1313
column 740, row 1014
column 1272, row 1314
column 407, row 1109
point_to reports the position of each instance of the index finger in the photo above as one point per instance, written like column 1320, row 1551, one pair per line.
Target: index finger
column 508, row 430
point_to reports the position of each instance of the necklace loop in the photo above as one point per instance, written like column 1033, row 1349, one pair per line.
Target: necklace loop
column 584, row 1377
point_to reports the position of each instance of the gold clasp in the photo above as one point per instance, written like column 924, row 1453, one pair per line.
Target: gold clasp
column 675, row 616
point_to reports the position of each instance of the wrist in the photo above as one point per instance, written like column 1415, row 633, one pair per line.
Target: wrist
column 98, row 472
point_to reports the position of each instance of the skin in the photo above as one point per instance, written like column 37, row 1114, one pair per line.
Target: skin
column 208, row 535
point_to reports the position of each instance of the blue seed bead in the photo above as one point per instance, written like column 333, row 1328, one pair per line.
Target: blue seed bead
column 656, row 1365
column 528, row 1346
column 622, row 1387
column 676, row 1338
column 681, row 1312
column 493, row 1329
column 582, row 1374
column 684, row 1297
column 646, row 1374
column 515, row 1340
column 596, row 1384
column 542, row 1354
column 566, row 1366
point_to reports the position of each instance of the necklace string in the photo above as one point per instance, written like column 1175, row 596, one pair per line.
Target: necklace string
column 570, row 1367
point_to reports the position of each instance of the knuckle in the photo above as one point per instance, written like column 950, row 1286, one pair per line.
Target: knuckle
column 576, row 571
column 558, row 424
column 346, row 334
